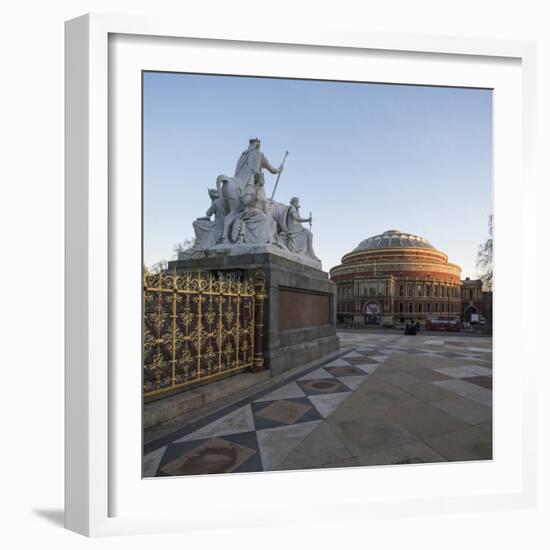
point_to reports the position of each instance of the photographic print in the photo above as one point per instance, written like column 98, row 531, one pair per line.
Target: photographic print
column 317, row 274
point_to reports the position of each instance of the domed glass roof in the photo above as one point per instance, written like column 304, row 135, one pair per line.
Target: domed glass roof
column 393, row 239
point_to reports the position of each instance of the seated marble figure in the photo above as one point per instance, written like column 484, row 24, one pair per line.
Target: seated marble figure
column 208, row 232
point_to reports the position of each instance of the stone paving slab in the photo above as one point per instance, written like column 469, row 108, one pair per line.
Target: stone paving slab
column 406, row 363
column 483, row 381
column 289, row 390
column 471, row 391
column 424, row 420
column 426, row 391
column 427, row 375
column 486, row 428
column 374, row 393
column 466, row 410
column 473, row 443
column 326, row 404
column 320, row 447
column 398, row 379
column 412, row 453
column 366, row 433
column 276, row 444
column 384, row 400
column 466, row 371
column 316, row 374
column 343, row 463
column 237, row 421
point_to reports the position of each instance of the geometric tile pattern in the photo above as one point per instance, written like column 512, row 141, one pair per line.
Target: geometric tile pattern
column 322, row 387
column 280, row 419
column 232, row 453
column 326, row 404
column 284, row 412
column 238, row 421
column 217, row 455
column 287, row 391
column 277, row 443
column 386, row 399
column 316, row 374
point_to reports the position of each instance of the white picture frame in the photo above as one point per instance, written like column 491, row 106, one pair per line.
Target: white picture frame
column 103, row 498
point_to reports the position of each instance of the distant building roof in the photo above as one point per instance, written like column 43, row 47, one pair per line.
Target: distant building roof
column 393, row 239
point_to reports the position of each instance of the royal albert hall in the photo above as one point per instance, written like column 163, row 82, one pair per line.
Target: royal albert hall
column 396, row 276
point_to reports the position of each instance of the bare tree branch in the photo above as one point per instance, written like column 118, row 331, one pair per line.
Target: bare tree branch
column 484, row 259
column 185, row 245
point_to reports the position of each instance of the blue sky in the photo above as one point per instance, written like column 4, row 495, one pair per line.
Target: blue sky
column 363, row 158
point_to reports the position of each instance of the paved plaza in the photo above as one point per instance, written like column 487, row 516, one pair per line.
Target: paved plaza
column 385, row 398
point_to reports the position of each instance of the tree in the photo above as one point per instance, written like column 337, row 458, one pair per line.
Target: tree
column 484, row 260
column 185, row 245
column 162, row 265
column 158, row 267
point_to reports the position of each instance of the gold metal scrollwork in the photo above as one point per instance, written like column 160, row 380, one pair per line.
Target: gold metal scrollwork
column 197, row 328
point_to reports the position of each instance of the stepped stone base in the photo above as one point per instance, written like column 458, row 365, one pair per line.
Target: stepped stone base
column 168, row 408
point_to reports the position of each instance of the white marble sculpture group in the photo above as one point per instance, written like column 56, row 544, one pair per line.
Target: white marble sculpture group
column 245, row 219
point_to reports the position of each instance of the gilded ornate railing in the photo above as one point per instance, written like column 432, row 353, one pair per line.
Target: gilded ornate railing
column 198, row 327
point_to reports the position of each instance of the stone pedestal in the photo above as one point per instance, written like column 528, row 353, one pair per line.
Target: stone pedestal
column 300, row 309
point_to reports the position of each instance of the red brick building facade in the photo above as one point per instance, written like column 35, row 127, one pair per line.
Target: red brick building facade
column 477, row 304
column 396, row 276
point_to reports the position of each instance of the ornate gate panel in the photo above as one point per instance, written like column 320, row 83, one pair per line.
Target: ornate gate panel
column 197, row 328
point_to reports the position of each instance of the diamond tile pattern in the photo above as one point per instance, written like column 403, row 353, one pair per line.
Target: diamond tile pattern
column 283, row 412
column 387, row 399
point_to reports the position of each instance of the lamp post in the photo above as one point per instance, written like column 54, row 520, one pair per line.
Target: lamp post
column 448, row 308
